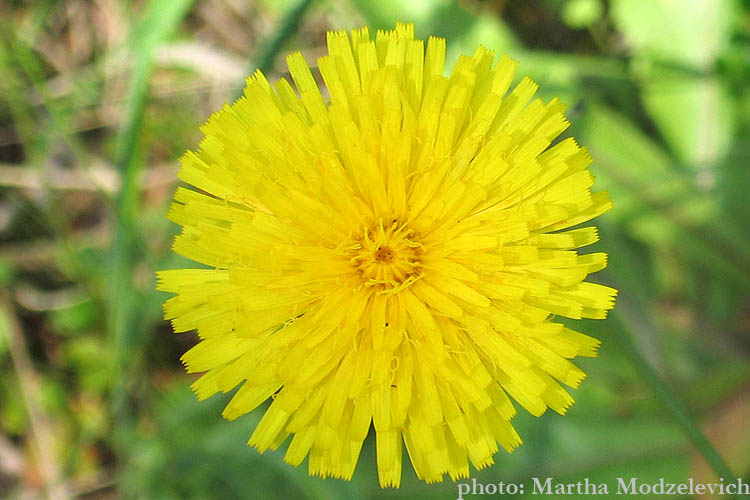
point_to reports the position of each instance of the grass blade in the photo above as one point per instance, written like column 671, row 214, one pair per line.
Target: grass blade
column 271, row 47
column 627, row 340
column 160, row 20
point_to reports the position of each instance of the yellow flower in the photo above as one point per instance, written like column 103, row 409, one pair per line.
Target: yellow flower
column 394, row 254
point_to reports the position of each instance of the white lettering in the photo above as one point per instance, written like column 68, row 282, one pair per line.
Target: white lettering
column 463, row 489
column 474, row 488
column 539, row 489
column 626, row 488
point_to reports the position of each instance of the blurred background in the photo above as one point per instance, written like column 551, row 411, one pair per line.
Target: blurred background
column 99, row 98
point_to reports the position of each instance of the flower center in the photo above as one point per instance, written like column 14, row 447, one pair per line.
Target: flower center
column 384, row 255
column 387, row 258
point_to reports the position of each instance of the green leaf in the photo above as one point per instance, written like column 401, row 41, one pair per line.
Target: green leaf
column 693, row 115
column 690, row 33
column 581, row 13
column 675, row 46
column 654, row 200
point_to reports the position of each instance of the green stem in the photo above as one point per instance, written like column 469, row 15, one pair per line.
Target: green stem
column 679, row 413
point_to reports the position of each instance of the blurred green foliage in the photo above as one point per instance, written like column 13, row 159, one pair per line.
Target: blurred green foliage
column 99, row 99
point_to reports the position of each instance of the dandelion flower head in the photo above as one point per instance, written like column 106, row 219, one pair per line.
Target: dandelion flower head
column 392, row 256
